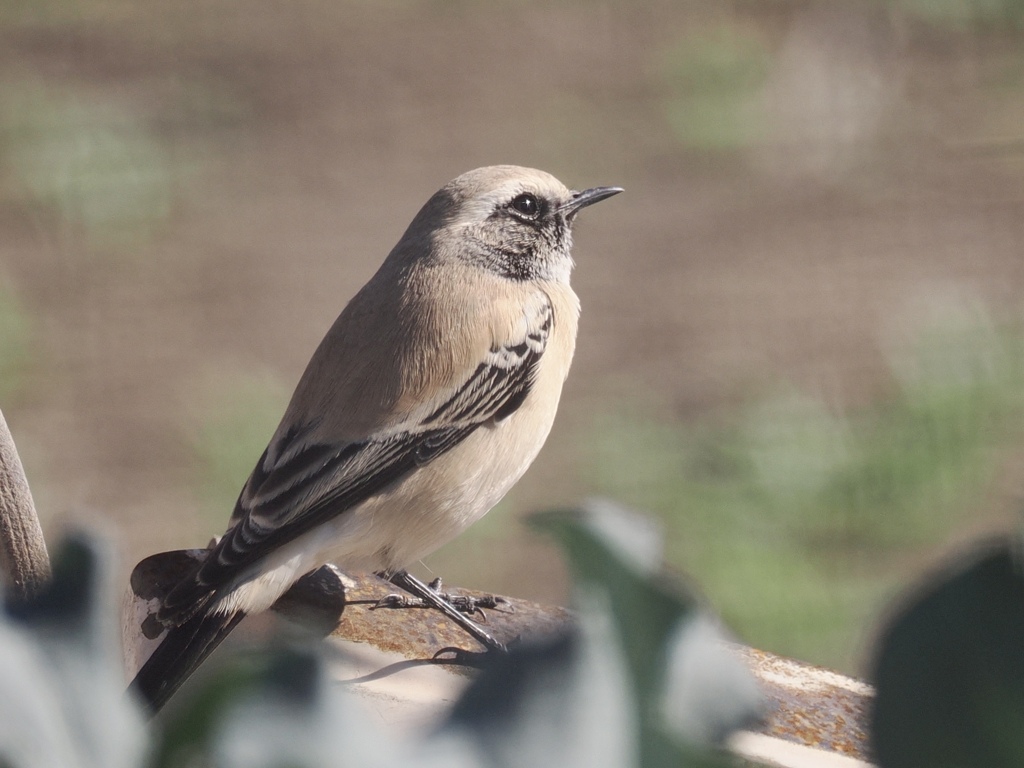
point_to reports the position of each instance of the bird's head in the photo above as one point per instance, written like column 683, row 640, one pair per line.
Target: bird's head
column 511, row 220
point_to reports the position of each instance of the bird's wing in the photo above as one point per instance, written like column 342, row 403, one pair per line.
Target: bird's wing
column 313, row 482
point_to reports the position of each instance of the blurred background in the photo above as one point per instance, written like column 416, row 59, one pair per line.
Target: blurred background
column 802, row 342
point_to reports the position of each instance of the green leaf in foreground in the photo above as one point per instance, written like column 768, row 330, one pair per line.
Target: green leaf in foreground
column 950, row 668
column 690, row 691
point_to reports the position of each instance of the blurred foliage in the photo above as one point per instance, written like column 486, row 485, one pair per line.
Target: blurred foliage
column 643, row 679
column 712, row 78
column 950, row 667
column 794, row 519
column 15, row 330
column 89, row 158
column 687, row 687
column 62, row 700
column 237, row 422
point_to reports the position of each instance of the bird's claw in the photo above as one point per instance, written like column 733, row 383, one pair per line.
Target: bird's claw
column 465, row 604
column 397, row 601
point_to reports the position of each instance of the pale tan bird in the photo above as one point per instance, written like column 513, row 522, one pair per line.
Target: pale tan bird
column 426, row 401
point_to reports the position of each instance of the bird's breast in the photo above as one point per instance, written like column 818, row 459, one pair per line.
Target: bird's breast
column 440, row 500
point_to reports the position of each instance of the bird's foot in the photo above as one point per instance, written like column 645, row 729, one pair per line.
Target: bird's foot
column 455, row 607
column 470, row 605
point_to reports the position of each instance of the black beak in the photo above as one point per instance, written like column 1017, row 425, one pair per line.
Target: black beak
column 587, row 197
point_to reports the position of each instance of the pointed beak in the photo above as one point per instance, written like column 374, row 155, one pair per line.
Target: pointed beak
column 587, row 197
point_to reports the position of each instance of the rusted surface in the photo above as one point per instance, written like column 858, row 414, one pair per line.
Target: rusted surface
column 809, row 706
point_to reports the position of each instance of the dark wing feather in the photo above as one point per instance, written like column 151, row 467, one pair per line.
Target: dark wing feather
column 320, row 481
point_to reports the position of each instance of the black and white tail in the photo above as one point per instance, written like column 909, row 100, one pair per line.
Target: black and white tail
column 181, row 651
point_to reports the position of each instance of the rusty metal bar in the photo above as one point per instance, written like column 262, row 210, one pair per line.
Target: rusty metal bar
column 817, row 717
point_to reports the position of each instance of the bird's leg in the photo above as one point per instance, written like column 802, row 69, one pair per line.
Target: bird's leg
column 429, row 595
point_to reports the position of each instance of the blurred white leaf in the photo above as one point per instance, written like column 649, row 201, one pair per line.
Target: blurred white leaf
column 708, row 693
column 637, row 539
column 77, row 673
column 566, row 703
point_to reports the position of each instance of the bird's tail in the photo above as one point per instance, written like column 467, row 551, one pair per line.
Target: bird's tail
column 181, row 651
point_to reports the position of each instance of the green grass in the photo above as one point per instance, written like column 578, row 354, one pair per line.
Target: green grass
column 794, row 520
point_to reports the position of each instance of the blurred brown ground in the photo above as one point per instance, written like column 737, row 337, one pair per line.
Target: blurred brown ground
column 303, row 137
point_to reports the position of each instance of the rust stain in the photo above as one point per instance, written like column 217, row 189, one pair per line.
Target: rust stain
column 811, row 705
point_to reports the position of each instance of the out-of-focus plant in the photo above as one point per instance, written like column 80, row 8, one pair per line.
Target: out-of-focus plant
column 90, row 159
column 62, row 700
column 711, row 78
column 790, row 515
column 644, row 679
column 950, row 667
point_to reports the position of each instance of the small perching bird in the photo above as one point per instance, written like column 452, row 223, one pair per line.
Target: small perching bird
column 426, row 401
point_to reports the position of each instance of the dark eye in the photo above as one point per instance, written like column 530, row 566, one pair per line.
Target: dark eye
column 526, row 205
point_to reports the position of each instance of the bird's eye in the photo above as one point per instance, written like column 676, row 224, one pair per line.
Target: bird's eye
column 526, row 205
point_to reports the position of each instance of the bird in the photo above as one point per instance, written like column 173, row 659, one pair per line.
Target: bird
column 428, row 398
